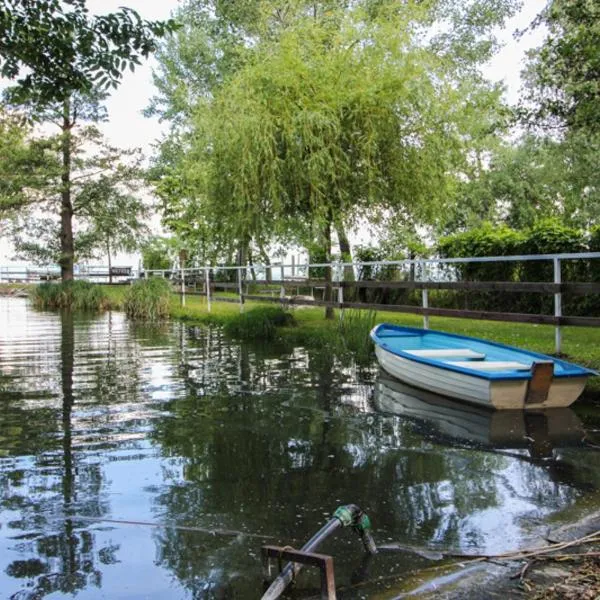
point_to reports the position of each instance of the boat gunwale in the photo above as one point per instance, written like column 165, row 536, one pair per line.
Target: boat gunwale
column 573, row 370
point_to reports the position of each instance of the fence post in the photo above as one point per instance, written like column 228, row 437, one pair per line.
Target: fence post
column 282, row 288
column 240, row 288
column 557, row 306
column 424, row 297
column 182, row 259
column 207, row 284
column 340, row 270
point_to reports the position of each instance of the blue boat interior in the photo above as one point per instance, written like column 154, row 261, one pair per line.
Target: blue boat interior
column 465, row 354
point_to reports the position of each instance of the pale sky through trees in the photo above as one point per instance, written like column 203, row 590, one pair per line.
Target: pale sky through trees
column 127, row 127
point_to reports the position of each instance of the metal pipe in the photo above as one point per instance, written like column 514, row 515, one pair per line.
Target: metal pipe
column 290, row 570
column 349, row 515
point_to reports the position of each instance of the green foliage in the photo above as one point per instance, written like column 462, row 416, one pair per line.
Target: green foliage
column 259, row 323
column 318, row 113
column 487, row 240
column 546, row 236
column 148, row 299
column 549, row 236
column 563, row 75
column 155, row 255
column 24, row 162
column 53, row 48
column 104, row 194
column 71, row 295
column 595, row 239
column 354, row 327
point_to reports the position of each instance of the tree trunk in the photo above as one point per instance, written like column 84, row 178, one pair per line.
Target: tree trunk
column 67, row 252
column 328, row 296
column 109, row 260
column 264, row 257
column 346, row 255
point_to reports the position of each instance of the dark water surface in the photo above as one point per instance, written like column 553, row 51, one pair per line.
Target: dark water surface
column 122, row 447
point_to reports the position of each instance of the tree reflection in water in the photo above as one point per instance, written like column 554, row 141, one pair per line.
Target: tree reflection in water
column 186, row 428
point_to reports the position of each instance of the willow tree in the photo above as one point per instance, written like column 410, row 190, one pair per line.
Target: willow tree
column 346, row 114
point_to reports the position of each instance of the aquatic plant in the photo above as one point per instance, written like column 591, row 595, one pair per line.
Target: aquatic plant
column 148, row 299
column 72, row 295
column 353, row 332
column 260, row 323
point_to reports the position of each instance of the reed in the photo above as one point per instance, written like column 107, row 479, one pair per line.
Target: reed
column 148, row 300
column 353, row 331
column 71, row 295
column 260, row 323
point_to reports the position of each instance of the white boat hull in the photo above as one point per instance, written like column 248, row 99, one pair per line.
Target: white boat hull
column 498, row 394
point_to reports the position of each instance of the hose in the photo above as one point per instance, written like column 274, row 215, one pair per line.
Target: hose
column 348, row 515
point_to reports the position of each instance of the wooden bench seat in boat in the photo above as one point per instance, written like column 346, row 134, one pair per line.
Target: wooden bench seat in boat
column 490, row 365
column 447, row 352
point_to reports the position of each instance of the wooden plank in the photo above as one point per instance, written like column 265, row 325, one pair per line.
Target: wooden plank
column 581, row 289
column 540, row 287
column 542, row 373
column 453, row 312
column 447, row 352
column 440, row 312
column 581, row 321
column 493, row 286
column 490, row 365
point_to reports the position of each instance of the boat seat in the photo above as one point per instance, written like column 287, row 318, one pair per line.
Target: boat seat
column 491, row 365
column 447, row 352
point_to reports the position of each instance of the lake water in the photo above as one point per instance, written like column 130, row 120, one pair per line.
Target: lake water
column 154, row 462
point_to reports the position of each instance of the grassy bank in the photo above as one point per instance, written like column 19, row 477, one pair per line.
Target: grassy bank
column 71, row 295
column 580, row 344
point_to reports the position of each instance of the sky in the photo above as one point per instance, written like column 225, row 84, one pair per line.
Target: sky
column 128, row 128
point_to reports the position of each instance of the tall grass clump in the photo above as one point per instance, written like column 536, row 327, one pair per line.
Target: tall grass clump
column 72, row 295
column 259, row 323
column 354, row 327
column 148, row 299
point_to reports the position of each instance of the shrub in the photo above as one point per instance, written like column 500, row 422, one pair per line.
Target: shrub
column 71, row 295
column 259, row 323
column 148, row 299
column 487, row 240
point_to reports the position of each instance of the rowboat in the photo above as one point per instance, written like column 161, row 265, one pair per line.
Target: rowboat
column 477, row 371
column 450, row 421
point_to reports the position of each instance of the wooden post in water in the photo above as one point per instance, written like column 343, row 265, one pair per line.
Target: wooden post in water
column 557, row 307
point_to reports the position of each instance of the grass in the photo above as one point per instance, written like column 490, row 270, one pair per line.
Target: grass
column 72, row 295
column 148, row 300
column 353, row 332
column 259, row 323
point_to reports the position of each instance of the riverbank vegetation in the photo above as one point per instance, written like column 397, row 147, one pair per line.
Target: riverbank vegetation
column 71, row 295
column 259, row 323
column 148, row 299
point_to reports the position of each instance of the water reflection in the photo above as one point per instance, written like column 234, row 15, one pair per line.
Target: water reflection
column 104, row 425
column 447, row 420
